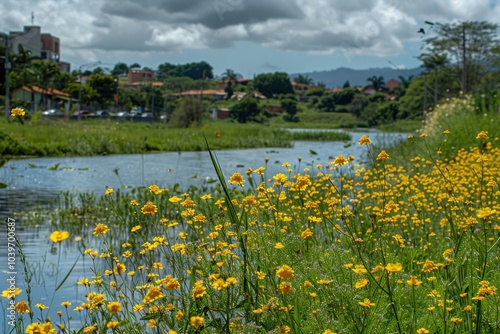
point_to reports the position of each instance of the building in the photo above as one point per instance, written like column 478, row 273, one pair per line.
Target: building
column 391, row 84
column 140, row 76
column 41, row 98
column 41, row 45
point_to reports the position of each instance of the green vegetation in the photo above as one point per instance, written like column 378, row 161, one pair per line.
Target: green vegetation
column 96, row 137
column 462, row 117
column 388, row 248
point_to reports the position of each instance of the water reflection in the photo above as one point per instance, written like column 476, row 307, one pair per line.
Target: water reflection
column 48, row 265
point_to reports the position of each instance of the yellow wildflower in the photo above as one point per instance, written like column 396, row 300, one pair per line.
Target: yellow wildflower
column 236, row 178
column 364, row 140
column 58, row 236
column 149, row 208
column 366, row 303
column 285, row 272
column 482, row 135
column 383, row 155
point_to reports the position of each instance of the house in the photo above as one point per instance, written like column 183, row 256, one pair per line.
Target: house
column 369, row 91
column 240, row 95
column 220, row 113
column 391, row 84
column 239, row 81
column 139, row 78
column 41, row 98
column 217, row 95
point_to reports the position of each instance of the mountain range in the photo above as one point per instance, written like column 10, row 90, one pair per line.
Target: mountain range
column 337, row 77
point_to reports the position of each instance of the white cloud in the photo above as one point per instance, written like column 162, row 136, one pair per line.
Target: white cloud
column 355, row 27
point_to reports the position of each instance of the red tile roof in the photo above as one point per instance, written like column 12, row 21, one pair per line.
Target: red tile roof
column 50, row 91
column 203, row 92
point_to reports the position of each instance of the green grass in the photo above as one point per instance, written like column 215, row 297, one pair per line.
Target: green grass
column 97, row 137
column 463, row 118
column 309, row 119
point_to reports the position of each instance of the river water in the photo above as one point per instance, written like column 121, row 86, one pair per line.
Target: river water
column 33, row 183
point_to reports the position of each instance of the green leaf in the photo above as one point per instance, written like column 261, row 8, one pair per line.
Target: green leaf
column 67, row 275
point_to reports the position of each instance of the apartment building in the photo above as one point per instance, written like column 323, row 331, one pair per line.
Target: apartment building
column 41, row 45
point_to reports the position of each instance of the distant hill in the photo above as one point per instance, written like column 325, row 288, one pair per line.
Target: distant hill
column 337, row 77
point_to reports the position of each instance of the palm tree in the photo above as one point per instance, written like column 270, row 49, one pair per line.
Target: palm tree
column 231, row 79
column 230, row 76
column 377, row 83
column 405, row 82
column 303, row 79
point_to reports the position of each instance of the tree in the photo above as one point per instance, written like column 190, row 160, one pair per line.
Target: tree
column 105, row 85
column 88, row 95
column 314, row 92
column 246, row 110
column 230, row 76
column 289, row 103
column 200, row 70
column 358, row 104
column 229, row 90
column 433, row 62
column 326, row 103
column 404, row 82
column 271, row 84
column 321, row 84
column 303, row 79
column 120, row 69
column 134, row 65
column 61, row 80
column 344, row 96
column 45, row 72
column 467, row 46
column 179, row 84
column 376, row 83
column 231, row 79
column 188, row 111
column 346, row 84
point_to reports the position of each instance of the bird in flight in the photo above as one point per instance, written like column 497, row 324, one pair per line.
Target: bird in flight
column 421, row 30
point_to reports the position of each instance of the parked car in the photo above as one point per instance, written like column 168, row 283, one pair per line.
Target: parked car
column 52, row 112
column 123, row 114
column 146, row 114
column 102, row 113
column 82, row 112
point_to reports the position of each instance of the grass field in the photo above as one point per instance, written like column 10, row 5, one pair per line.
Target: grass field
column 57, row 137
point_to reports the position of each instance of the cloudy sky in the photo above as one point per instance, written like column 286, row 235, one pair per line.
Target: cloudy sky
column 248, row 36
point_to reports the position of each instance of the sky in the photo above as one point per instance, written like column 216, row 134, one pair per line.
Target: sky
column 247, row 36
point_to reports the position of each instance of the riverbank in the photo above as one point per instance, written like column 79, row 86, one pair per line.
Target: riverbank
column 49, row 138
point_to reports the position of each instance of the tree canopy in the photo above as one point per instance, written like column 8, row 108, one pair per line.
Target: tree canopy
column 199, row 70
column 467, row 45
column 271, row 84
